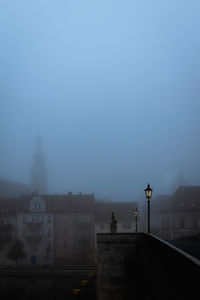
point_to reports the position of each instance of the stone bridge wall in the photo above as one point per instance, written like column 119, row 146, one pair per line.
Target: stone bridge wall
column 140, row 266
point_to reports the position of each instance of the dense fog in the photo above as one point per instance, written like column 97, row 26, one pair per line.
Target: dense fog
column 112, row 88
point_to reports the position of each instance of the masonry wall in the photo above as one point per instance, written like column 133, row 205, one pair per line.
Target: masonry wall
column 141, row 266
column 117, row 266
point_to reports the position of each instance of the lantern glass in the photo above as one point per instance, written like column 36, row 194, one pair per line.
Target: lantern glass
column 148, row 191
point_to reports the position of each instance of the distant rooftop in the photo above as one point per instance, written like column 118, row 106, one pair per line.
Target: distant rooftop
column 9, row 188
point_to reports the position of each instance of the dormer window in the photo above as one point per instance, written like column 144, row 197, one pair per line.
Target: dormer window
column 37, row 204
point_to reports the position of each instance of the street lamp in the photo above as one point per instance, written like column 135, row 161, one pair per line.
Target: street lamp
column 148, row 193
column 136, row 219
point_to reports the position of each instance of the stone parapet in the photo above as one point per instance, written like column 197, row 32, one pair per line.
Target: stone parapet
column 131, row 266
column 116, row 263
column 116, row 238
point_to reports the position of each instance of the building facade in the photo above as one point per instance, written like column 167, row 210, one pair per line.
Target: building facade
column 74, row 229
column 61, row 229
column 35, row 228
column 123, row 212
column 177, row 215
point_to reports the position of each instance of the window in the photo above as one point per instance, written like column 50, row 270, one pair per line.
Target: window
column 188, row 222
column 49, row 232
column 34, row 247
column 24, row 232
column 127, row 225
column 176, row 223
column 86, row 218
column 101, row 225
column 195, row 222
column 36, row 204
column 65, row 218
column 74, row 206
column 49, row 246
column 24, row 219
column 49, row 219
column 182, row 223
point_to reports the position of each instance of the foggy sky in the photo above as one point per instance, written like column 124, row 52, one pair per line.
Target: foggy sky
column 111, row 86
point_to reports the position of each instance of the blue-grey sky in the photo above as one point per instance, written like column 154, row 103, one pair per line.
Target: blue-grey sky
column 112, row 87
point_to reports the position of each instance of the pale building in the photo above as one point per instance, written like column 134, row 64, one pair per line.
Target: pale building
column 124, row 215
column 74, row 229
column 35, row 228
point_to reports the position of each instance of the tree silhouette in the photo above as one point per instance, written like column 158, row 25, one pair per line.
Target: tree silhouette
column 5, row 233
column 16, row 251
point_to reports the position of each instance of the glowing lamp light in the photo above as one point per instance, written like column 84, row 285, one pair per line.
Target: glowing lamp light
column 148, row 191
column 136, row 212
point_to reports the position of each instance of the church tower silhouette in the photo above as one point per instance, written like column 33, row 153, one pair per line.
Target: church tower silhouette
column 38, row 169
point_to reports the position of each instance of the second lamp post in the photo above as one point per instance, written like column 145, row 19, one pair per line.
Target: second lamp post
column 148, row 193
column 136, row 219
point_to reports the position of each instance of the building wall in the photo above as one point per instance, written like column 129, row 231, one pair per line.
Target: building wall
column 178, row 215
column 36, row 231
column 62, row 229
column 74, row 237
column 35, row 228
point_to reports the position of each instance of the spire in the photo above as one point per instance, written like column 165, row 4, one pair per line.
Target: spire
column 38, row 169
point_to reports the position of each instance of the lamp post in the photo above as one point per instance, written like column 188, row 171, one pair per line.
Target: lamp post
column 148, row 193
column 136, row 219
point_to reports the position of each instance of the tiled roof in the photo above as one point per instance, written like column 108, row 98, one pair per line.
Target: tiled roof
column 74, row 203
column 8, row 205
column 161, row 203
column 57, row 203
column 9, row 188
column 186, row 198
